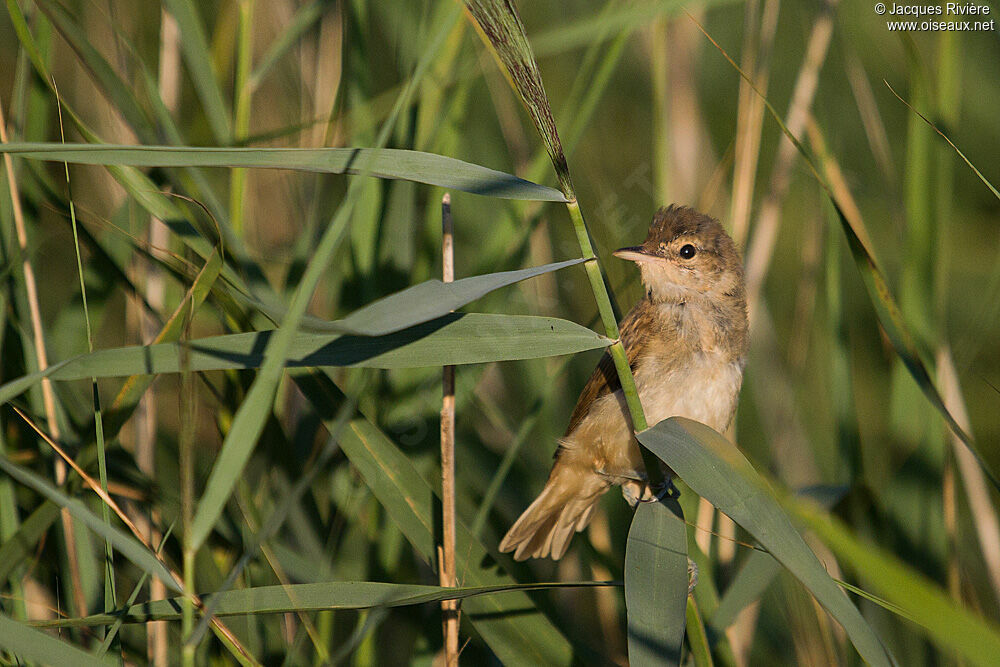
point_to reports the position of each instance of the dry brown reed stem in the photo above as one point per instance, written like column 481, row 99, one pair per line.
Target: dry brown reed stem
column 761, row 249
column 38, row 337
column 446, row 559
column 680, row 150
column 113, row 506
column 977, row 492
column 169, row 81
column 756, row 61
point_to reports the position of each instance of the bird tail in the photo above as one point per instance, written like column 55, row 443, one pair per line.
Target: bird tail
column 564, row 506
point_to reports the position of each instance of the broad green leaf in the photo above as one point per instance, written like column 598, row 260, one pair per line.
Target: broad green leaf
column 35, row 646
column 716, row 470
column 458, row 338
column 917, row 598
column 656, row 583
column 126, row 545
column 510, row 624
column 307, row 597
column 391, row 163
column 429, row 300
column 759, row 569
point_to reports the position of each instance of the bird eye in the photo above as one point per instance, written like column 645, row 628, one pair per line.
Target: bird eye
column 663, row 248
column 687, row 251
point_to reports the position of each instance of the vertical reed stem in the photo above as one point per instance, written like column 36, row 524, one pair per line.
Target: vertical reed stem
column 446, row 559
column 48, row 395
column 241, row 126
column 617, row 350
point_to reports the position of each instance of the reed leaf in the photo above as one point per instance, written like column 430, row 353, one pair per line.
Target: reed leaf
column 126, row 545
column 459, row 338
column 308, row 597
column 716, row 470
column 912, row 594
column 390, row 163
column 31, row 645
column 511, row 625
column 656, row 583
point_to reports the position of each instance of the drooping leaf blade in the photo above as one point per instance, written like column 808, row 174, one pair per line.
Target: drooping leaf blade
column 32, row 645
column 307, row 597
column 716, row 470
column 428, row 300
column 128, row 546
column 948, row 625
column 392, row 163
column 510, row 624
column 455, row 339
column 656, row 583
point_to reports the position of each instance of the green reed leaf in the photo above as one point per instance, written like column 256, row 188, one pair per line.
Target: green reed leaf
column 390, row 163
column 716, row 470
column 656, row 583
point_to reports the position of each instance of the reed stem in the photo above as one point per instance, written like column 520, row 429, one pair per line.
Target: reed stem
column 446, row 561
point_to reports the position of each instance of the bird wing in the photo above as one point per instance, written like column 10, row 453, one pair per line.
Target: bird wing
column 604, row 379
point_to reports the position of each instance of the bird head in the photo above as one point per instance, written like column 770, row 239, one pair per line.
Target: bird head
column 687, row 256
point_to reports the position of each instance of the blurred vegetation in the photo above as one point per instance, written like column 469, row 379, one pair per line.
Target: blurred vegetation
column 650, row 113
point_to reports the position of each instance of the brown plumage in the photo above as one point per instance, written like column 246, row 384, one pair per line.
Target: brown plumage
column 686, row 343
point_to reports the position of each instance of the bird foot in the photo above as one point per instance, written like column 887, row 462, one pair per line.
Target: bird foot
column 635, row 492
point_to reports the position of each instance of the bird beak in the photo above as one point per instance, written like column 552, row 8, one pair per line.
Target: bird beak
column 634, row 254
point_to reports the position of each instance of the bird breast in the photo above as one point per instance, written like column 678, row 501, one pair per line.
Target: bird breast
column 704, row 388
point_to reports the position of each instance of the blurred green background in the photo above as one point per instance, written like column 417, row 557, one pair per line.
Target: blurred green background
column 650, row 113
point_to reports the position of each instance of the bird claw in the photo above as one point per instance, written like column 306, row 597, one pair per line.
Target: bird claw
column 635, row 492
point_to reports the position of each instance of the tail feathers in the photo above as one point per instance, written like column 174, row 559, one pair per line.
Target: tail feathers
column 564, row 507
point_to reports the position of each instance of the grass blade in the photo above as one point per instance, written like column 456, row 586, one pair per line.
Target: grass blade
column 459, row 338
column 511, row 625
column 21, row 544
column 429, row 300
column 309, row 597
column 934, row 127
column 947, row 624
column 390, row 163
column 656, row 583
column 126, row 545
column 33, row 645
column 716, row 470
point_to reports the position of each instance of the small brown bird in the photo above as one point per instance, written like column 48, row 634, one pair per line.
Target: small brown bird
column 686, row 343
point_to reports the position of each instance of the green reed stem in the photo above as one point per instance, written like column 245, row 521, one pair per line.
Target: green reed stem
column 244, row 65
column 617, row 350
